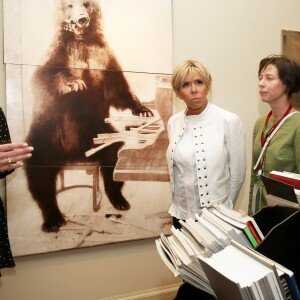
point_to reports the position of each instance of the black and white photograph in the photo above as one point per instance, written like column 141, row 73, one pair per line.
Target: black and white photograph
column 88, row 86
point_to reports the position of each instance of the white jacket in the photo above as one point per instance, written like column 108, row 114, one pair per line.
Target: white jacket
column 220, row 157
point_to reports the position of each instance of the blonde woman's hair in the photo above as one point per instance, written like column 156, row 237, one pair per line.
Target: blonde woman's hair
column 189, row 67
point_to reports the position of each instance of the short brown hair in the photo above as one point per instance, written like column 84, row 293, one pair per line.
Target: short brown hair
column 288, row 72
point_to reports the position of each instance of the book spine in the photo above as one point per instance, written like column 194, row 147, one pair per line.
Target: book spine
column 286, row 287
column 253, row 231
column 250, row 236
column 294, row 287
column 257, row 229
column 292, row 181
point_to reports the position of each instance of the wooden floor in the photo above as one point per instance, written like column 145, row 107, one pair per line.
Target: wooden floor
column 146, row 218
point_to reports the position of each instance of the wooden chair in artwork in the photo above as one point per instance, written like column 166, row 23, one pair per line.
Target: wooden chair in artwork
column 90, row 168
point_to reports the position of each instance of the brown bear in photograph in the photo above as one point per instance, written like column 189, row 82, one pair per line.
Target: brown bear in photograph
column 74, row 91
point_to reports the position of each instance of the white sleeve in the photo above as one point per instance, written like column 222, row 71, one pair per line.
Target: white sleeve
column 237, row 158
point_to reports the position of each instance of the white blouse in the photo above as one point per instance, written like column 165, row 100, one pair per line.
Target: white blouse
column 184, row 167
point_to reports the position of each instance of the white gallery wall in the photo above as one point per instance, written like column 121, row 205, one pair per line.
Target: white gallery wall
column 229, row 37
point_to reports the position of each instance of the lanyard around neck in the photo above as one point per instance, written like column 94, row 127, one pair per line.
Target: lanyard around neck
column 268, row 139
column 264, row 137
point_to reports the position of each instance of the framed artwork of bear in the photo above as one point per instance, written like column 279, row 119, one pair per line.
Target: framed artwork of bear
column 88, row 86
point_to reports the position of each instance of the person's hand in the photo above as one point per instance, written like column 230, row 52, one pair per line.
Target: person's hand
column 12, row 155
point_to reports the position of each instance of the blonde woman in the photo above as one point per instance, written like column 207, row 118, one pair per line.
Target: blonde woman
column 206, row 152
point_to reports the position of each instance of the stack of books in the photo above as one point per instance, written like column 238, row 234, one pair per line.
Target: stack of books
column 216, row 253
column 289, row 178
column 283, row 188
